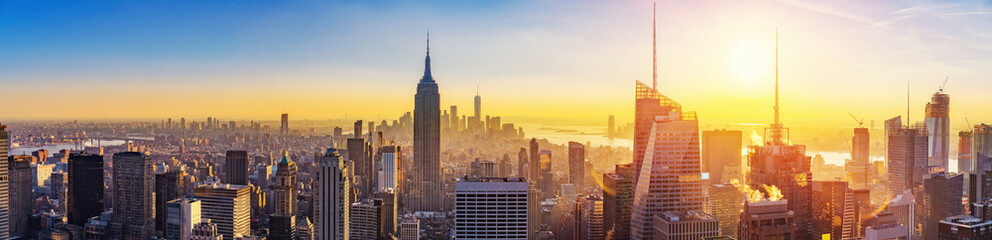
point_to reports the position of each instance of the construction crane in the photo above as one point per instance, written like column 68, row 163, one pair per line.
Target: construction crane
column 861, row 121
column 941, row 89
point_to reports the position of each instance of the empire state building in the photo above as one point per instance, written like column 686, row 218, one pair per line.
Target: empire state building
column 427, row 183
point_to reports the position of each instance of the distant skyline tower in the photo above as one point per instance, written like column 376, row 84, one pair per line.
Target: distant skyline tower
column 85, row 191
column 427, row 183
column 134, row 209
column 455, row 123
column 284, row 126
column 576, row 165
column 333, row 196
column 4, row 184
column 965, row 160
column 236, row 167
column 670, row 177
column 478, row 105
column 611, row 127
column 780, row 163
column 938, row 129
column 522, row 169
column 858, row 169
column 534, row 162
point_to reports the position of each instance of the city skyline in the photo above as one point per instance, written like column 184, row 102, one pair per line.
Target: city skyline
column 575, row 49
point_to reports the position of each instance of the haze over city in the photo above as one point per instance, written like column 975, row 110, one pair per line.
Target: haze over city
column 468, row 120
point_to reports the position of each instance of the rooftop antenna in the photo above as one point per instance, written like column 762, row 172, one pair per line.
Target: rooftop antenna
column 777, row 130
column 654, row 45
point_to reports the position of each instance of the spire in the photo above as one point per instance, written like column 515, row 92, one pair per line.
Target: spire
column 427, row 62
column 777, row 129
column 654, row 45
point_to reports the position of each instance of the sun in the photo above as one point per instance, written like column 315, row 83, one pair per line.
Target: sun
column 750, row 60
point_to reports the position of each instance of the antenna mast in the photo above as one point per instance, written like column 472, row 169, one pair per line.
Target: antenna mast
column 654, row 45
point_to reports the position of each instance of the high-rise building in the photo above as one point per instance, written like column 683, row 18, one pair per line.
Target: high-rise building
column 965, row 161
column 546, row 181
column 965, row 227
column 941, row 199
column 366, row 219
column 359, row 153
column 282, row 227
column 410, row 229
column 980, row 179
column 726, row 202
column 475, row 217
column 611, row 127
column 427, row 182
column 390, row 157
column 503, row 167
column 858, row 168
column 576, row 164
column 284, row 124
column 285, row 188
column 522, row 164
column 333, row 195
column 85, row 187
column 478, row 107
column 236, row 167
column 834, row 208
column 454, row 118
column 767, row 220
column 938, row 129
column 304, row 229
column 590, row 219
column 534, row 162
column 134, row 199
column 21, row 197
column 226, row 205
column 685, row 225
column 721, row 155
column 389, row 212
column 780, row 163
column 59, row 186
column 907, row 148
column 670, row 179
column 181, row 215
column 617, row 196
column 168, row 187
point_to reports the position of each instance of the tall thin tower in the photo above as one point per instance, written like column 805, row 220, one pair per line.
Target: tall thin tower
column 427, row 142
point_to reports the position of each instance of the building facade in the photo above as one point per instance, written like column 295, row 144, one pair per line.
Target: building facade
column 134, row 199
column 228, row 206
column 476, row 219
column 331, row 217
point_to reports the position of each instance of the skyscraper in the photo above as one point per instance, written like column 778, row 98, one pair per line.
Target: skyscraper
column 767, row 220
column 181, row 215
column 576, row 164
column 410, row 229
column 590, row 218
column 168, row 187
column 454, row 118
column 366, row 219
column 4, row 184
column 546, row 176
column 522, row 169
column 59, row 187
column 534, row 161
column 226, row 205
column 478, row 107
column 907, row 152
column 284, row 124
column 332, row 214
column 475, row 216
column 857, row 169
column 726, row 202
column 721, row 155
column 21, row 197
column 965, row 160
column 834, row 208
column 780, row 163
column 670, row 179
column 617, row 196
column 134, row 209
column 427, row 142
column 938, row 129
column 364, row 166
column 285, row 188
column 236, row 167
column 85, row 187
column 390, row 157
column 941, row 199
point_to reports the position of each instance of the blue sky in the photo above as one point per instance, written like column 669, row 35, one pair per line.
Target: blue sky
column 569, row 60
